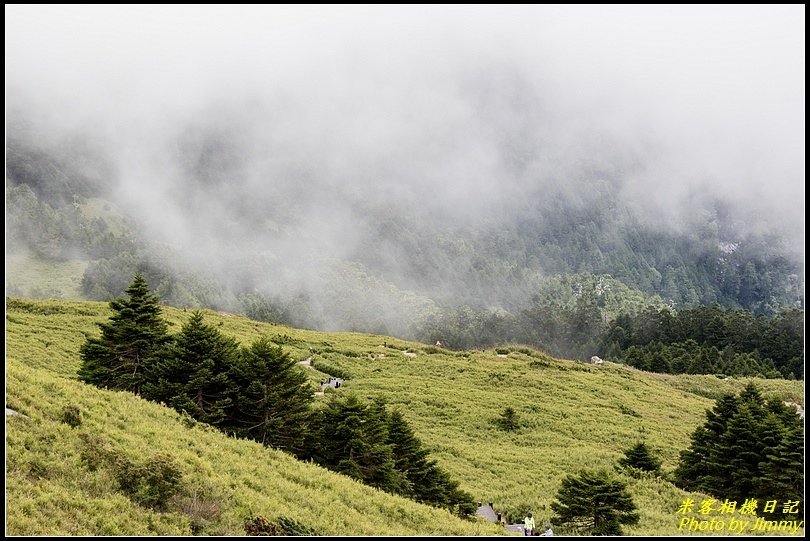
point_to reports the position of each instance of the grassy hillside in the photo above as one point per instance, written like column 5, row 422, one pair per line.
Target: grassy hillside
column 51, row 489
column 574, row 416
column 33, row 276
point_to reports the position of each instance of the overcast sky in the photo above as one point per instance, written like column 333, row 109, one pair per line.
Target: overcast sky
column 700, row 99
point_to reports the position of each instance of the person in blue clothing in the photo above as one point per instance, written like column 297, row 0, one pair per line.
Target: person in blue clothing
column 548, row 531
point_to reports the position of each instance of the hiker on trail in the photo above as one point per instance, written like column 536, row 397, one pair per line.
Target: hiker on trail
column 548, row 531
column 528, row 525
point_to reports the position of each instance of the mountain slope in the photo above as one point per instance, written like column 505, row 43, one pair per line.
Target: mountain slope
column 573, row 416
column 321, row 248
column 51, row 489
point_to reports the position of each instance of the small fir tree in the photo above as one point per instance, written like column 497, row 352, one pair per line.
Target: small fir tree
column 594, row 503
column 640, row 457
column 509, row 419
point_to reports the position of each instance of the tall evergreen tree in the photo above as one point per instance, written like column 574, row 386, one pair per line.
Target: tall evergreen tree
column 425, row 481
column 412, row 459
column 753, row 397
column 693, row 468
column 271, row 397
column 782, row 471
column 594, row 503
column 130, row 341
column 735, row 457
column 747, row 448
column 734, row 435
column 459, row 501
column 660, row 363
column 705, row 361
column 787, row 415
column 194, row 376
column 351, row 437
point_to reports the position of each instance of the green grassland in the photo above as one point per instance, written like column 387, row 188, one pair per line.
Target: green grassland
column 32, row 276
column 573, row 417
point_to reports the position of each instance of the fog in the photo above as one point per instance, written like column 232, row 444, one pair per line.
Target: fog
column 281, row 130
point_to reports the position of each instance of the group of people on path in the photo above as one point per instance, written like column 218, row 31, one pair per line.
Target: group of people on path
column 528, row 527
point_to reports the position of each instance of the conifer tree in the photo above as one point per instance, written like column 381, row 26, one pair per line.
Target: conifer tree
column 748, row 448
column 787, row 415
column 735, row 458
column 130, row 341
column 751, row 394
column 693, row 468
column 194, row 376
column 509, row 419
column 459, row 501
column 640, row 457
column 271, row 397
column 411, row 459
column 782, row 471
column 594, row 503
column 351, row 437
column 659, row 362
column 425, row 481
column 702, row 362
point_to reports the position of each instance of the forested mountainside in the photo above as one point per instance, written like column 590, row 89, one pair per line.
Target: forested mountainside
column 553, row 270
column 405, row 258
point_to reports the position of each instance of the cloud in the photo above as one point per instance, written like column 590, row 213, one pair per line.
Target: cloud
column 279, row 128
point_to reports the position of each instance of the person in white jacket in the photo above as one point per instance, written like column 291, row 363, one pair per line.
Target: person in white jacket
column 528, row 525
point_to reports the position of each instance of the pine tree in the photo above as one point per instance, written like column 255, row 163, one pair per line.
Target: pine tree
column 594, row 503
column 782, row 471
column 425, row 481
column 752, row 396
column 130, row 342
column 412, row 459
column 734, row 441
column 350, row 437
column 659, row 362
column 786, row 415
column 509, row 419
column 693, row 468
column 638, row 357
column 194, row 377
column 271, row 397
column 459, row 501
column 640, row 457
column 735, row 457
column 705, row 361
column 747, row 448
